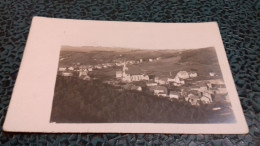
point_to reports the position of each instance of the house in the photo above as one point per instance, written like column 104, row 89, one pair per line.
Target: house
column 206, row 97
column 158, row 89
column 209, row 85
column 71, row 68
column 119, row 74
column 137, row 88
column 162, row 94
column 98, row 67
column 132, row 87
column 84, row 77
column 126, row 77
column 161, row 81
column 183, row 75
column 174, row 94
column 212, row 74
column 76, row 68
column 146, row 77
column 193, row 74
column 90, row 69
column 67, row 74
column 109, row 64
column 139, row 77
column 141, row 60
column 203, row 88
column 177, row 81
column 104, row 66
column 151, row 84
column 205, row 100
column 83, row 73
column 131, row 62
column 62, row 69
column 171, row 80
column 119, row 63
column 136, row 77
column 158, row 58
column 150, row 60
column 195, row 88
column 193, row 99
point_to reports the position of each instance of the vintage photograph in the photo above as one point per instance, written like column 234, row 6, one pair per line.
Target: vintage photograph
column 131, row 85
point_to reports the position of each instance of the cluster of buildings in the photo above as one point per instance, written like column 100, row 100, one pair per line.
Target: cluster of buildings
column 200, row 92
column 172, row 87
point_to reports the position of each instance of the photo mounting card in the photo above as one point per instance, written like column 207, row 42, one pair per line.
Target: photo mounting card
column 124, row 77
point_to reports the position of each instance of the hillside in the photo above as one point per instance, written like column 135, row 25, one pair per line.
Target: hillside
column 78, row 101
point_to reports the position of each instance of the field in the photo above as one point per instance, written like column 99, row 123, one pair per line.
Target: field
column 202, row 61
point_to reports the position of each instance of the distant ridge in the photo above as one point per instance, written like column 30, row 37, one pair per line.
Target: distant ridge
column 116, row 49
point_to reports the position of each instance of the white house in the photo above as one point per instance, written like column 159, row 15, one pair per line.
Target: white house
column 162, row 94
column 119, row 64
column 136, row 77
column 137, row 88
column 150, row 60
column 212, row 74
column 131, row 62
column 126, row 78
column 171, row 79
column 205, row 100
column 174, row 94
column 109, row 64
column 83, row 73
column 119, row 74
column 98, row 67
column 161, row 81
column 67, row 74
column 151, row 84
column 203, row 88
column 62, row 69
column 193, row 74
column 158, row 89
column 90, row 69
column 193, row 99
column 178, row 81
column 183, row 75
column 71, row 68
column 141, row 60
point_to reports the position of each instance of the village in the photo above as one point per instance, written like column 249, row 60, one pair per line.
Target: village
column 180, row 86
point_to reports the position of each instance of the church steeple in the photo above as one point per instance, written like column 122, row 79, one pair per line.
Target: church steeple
column 124, row 69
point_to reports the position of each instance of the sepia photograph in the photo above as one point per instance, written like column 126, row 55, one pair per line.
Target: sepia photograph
column 130, row 85
column 125, row 77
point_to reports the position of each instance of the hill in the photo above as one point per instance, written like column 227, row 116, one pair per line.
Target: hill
column 78, row 101
column 203, row 60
